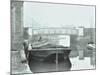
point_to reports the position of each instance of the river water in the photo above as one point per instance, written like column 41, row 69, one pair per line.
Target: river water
column 77, row 64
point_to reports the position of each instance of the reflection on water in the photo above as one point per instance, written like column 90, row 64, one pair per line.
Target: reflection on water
column 49, row 64
column 47, row 67
column 38, row 66
column 71, row 63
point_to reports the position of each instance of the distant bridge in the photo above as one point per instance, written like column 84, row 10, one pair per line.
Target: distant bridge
column 55, row 31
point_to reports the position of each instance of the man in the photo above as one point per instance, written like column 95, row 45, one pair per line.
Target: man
column 25, row 52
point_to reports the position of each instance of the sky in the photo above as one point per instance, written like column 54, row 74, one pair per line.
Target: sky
column 39, row 15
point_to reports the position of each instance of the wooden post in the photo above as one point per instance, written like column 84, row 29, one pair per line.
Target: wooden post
column 81, row 42
column 81, row 54
column 93, row 59
column 81, row 48
column 56, row 60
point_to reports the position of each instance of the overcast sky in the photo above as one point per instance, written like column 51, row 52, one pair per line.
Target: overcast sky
column 57, row 15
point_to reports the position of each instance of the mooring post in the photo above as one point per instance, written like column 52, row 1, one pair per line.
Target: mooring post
column 56, row 60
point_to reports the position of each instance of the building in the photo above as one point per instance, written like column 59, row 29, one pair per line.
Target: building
column 16, row 25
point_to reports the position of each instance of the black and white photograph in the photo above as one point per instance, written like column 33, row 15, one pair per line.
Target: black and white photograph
column 52, row 37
